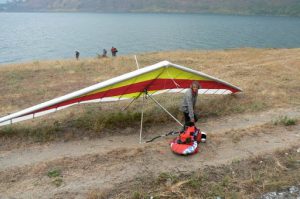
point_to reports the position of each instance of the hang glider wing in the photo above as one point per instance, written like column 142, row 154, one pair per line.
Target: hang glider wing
column 159, row 78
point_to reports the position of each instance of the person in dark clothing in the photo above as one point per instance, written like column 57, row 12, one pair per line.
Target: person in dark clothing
column 104, row 54
column 77, row 55
column 114, row 51
column 188, row 104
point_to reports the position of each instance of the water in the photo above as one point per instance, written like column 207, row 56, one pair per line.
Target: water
column 39, row 36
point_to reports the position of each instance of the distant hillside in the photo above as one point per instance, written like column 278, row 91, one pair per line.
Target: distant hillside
column 260, row 7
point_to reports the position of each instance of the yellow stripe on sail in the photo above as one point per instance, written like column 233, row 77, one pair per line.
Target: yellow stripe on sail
column 161, row 73
column 133, row 80
column 175, row 73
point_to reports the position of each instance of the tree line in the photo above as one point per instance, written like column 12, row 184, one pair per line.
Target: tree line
column 246, row 7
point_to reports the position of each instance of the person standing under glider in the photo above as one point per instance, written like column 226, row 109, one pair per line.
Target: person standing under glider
column 188, row 104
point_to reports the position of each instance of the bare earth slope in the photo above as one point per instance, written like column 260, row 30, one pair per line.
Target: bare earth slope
column 92, row 164
column 103, row 163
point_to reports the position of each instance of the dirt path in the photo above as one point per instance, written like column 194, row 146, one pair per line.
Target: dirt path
column 101, row 163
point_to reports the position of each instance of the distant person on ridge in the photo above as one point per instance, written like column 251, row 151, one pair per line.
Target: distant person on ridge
column 188, row 104
column 77, row 55
column 104, row 54
column 113, row 51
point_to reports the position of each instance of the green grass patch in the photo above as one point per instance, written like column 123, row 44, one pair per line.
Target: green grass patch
column 56, row 176
column 54, row 173
column 285, row 120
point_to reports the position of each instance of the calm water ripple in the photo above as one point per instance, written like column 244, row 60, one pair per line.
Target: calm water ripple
column 38, row 36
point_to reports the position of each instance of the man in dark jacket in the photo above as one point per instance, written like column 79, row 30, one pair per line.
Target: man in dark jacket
column 77, row 55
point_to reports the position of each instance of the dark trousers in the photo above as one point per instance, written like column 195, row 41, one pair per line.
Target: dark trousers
column 187, row 119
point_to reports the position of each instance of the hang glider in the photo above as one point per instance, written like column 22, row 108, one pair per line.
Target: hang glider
column 163, row 77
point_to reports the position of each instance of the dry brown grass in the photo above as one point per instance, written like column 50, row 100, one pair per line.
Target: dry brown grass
column 269, row 79
column 241, row 179
column 271, row 75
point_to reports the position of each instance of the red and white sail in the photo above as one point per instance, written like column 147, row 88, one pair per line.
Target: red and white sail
column 159, row 78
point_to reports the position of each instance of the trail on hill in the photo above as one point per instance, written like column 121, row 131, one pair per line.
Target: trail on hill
column 103, row 163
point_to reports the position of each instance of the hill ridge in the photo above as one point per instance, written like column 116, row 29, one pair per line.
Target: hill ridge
column 243, row 7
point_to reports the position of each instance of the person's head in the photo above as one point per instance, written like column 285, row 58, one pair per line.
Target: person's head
column 195, row 86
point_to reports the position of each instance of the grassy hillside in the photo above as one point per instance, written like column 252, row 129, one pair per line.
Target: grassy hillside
column 253, row 136
column 261, row 7
column 269, row 79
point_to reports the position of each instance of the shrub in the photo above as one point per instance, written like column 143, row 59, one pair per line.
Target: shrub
column 285, row 120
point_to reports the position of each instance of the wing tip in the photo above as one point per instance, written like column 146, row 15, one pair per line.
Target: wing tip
column 165, row 63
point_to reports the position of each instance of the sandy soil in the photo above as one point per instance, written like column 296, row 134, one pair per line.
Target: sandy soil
column 103, row 163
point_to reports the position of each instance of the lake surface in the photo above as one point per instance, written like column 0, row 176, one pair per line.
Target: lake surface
column 39, row 36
